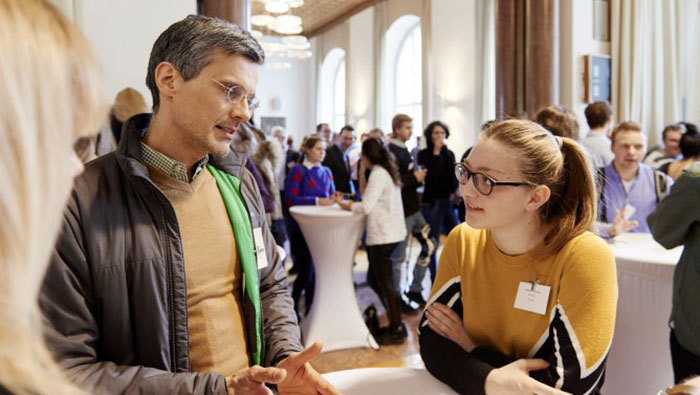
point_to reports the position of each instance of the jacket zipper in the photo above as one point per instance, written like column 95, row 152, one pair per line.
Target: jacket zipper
column 171, row 297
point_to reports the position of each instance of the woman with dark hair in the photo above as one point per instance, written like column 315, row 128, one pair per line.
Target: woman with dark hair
column 382, row 204
column 440, row 183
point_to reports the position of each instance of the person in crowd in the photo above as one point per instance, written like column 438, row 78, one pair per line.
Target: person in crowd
column 671, row 148
column 337, row 160
column 268, row 157
column 323, row 130
column 309, row 183
column 690, row 127
column 628, row 189
column 690, row 149
column 51, row 97
column 381, row 202
column 378, row 134
column 417, row 226
column 165, row 277
column 506, row 313
column 290, row 143
column 559, row 120
column 440, row 188
column 353, row 153
column 291, row 158
column 417, row 149
column 599, row 116
column 280, row 134
column 675, row 222
column 85, row 148
column 127, row 103
column 245, row 142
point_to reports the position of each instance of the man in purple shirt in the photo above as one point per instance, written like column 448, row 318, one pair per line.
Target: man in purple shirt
column 629, row 189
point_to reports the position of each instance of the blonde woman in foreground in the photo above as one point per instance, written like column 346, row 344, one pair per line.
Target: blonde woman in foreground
column 51, row 96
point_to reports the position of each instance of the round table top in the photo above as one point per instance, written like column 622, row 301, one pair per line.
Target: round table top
column 641, row 247
column 322, row 211
column 387, row 381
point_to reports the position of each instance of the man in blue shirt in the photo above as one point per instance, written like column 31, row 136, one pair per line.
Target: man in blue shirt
column 629, row 190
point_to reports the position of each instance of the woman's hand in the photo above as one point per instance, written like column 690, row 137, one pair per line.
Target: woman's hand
column 514, row 379
column 446, row 323
column 324, row 201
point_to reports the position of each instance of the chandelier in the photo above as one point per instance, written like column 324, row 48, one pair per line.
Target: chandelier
column 278, row 32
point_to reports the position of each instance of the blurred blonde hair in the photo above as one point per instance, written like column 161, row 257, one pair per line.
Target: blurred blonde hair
column 51, row 94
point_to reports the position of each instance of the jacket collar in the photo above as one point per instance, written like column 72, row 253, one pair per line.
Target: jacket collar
column 130, row 152
column 398, row 142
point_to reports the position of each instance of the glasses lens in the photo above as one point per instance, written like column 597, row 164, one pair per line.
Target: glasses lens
column 482, row 184
column 253, row 103
column 235, row 94
column 461, row 173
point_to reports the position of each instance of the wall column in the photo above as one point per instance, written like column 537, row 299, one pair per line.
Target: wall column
column 235, row 11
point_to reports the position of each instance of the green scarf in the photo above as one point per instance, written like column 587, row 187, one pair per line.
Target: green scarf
column 230, row 189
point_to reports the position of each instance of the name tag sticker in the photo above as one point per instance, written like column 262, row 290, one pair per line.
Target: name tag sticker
column 532, row 297
column 260, row 248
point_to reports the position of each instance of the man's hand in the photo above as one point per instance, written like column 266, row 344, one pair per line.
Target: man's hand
column 446, row 323
column 252, row 380
column 301, row 378
column 514, row 379
column 420, row 175
column 621, row 224
column 688, row 387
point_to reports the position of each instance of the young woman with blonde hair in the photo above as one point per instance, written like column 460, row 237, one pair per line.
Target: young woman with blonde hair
column 525, row 295
column 51, row 96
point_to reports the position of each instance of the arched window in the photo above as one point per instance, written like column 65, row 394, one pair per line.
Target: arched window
column 339, row 97
column 402, row 73
column 408, row 92
column 332, row 89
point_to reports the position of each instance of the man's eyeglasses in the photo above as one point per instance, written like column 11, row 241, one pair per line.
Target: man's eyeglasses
column 483, row 183
column 236, row 93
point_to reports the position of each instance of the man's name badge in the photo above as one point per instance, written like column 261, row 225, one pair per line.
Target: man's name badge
column 260, row 248
column 532, row 296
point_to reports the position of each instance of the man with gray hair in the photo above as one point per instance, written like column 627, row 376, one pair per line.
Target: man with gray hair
column 165, row 277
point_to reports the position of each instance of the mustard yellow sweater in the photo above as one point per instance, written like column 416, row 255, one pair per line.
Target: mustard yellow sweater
column 480, row 283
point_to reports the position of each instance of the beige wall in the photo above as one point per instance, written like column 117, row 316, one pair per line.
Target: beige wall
column 122, row 35
column 576, row 41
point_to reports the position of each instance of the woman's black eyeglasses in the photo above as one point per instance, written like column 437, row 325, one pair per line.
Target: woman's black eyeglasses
column 483, row 183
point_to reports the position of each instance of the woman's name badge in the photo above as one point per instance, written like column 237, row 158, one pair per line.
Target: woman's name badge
column 532, row 296
column 260, row 248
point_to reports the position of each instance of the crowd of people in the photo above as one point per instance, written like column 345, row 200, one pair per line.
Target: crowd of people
column 158, row 267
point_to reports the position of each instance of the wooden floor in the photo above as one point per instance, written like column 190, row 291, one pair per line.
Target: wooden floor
column 404, row 355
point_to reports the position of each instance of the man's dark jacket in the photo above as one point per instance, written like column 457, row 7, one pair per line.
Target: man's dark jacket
column 336, row 161
column 409, row 183
column 114, row 298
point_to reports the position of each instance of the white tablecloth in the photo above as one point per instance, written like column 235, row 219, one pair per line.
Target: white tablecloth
column 332, row 235
column 387, row 381
column 640, row 359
